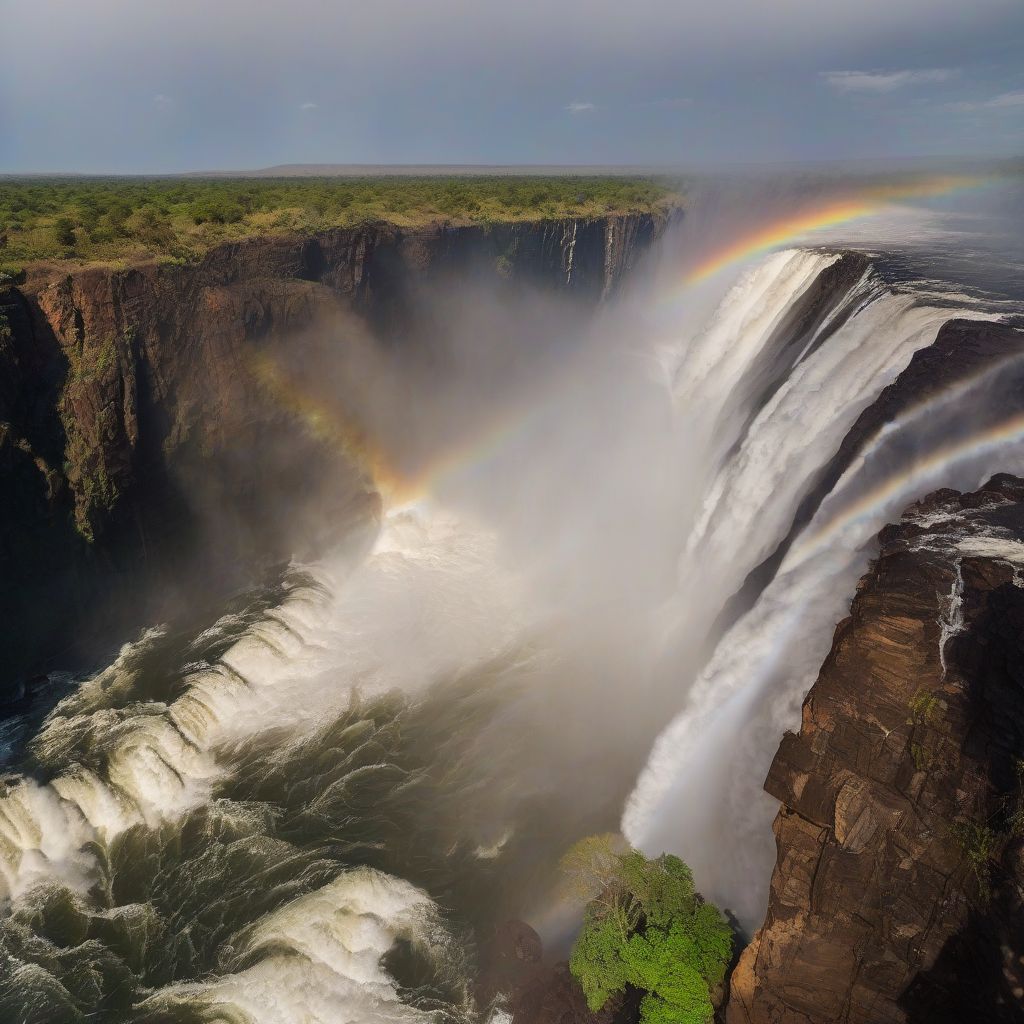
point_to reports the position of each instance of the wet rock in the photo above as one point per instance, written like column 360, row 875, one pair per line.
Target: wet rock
column 515, row 978
column 897, row 892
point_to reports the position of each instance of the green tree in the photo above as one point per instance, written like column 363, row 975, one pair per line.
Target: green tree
column 149, row 225
column 645, row 926
column 64, row 232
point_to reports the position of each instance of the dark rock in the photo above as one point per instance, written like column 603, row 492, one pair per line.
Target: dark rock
column 514, row 976
column 555, row 997
column 511, row 960
column 897, row 892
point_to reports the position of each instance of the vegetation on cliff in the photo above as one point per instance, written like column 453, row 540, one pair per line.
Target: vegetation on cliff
column 646, row 927
column 114, row 219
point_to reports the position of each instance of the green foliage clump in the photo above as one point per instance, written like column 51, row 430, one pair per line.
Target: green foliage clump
column 647, row 927
column 10, row 274
column 978, row 844
column 64, row 232
column 924, row 708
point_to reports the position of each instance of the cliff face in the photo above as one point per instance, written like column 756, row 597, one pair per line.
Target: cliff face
column 120, row 389
column 898, row 888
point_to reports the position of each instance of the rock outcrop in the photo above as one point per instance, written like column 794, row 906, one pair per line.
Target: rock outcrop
column 898, row 892
column 127, row 402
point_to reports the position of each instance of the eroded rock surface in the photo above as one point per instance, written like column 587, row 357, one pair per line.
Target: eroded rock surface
column 897, row 893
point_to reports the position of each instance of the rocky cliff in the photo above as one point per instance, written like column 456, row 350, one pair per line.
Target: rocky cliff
column 898, row 892
column 126, row 396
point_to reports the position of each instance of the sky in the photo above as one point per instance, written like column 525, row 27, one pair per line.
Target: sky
column 154, row 86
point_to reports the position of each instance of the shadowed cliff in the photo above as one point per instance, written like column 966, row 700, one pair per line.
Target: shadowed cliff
column 136, row 449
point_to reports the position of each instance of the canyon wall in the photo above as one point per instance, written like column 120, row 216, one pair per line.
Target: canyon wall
column 127, row 405
column 898, row 892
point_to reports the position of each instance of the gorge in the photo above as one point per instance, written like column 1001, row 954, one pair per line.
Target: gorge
column 121, row 387
column 350, row 578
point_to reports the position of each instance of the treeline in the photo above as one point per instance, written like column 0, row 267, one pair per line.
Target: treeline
column 178, row 218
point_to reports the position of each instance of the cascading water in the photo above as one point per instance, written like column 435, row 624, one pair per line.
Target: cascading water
column 313, row 808
column 700, row 793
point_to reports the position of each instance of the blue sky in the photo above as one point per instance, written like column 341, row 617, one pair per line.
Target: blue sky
column 159, row 86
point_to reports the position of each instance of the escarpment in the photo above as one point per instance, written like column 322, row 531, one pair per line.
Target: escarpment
column 128, row 406
column 898, row 892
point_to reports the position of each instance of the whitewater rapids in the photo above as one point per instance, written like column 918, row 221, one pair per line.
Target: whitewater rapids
column 308, row 677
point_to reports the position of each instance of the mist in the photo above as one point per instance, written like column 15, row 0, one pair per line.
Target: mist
column 623, row 493
column 568, row 502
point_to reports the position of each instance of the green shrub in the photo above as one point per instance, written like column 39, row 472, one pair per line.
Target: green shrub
column 978, row 844
column 645, row 926
column 64, row 232
column 125, row 218
column 924, row 708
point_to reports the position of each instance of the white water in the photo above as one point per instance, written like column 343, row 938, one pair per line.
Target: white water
column 383, row 624
column 700, row 794
column 323, row 956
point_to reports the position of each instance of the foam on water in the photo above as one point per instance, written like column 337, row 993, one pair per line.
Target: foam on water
column 123, row 765
column 133, row 766
column 318, row 959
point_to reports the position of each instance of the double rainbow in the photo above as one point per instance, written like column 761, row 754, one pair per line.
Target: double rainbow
column 916, row 478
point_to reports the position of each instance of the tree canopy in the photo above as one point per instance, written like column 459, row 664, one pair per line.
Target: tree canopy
column 647, row 927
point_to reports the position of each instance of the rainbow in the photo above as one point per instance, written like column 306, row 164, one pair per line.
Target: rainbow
column 825, row 215
column 400, row 487
column 915, row 476
column 328, row 426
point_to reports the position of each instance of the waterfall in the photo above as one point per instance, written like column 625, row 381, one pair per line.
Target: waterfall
column 700, row 793
column 304, row 809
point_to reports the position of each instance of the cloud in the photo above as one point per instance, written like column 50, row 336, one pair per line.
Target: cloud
column 1004, row 101
column 737, row 59
column 162, row 102
column 885, row 81
column 309, row 105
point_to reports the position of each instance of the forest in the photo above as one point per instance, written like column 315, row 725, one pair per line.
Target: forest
column 114, row 220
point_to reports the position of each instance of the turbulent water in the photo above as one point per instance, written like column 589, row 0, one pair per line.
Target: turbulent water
column 313, row 808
